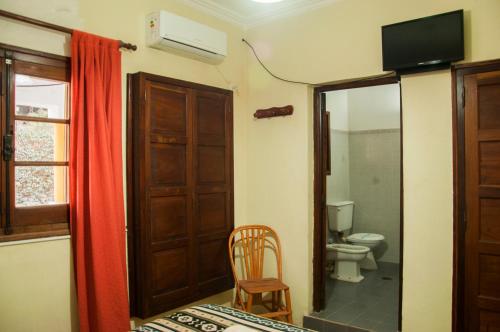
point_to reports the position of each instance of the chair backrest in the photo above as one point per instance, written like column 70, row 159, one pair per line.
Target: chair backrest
column 250, row 243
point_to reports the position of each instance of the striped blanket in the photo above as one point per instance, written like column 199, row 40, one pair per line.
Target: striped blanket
column 215, row 318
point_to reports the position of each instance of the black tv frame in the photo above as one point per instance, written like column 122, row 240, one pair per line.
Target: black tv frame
column 430, row 65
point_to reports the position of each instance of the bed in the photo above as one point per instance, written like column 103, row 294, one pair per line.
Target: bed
column 215, row 318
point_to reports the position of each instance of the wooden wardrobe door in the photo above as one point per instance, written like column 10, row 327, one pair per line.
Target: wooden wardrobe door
column 482, row 195
column 180, row 173
column 212, row 127
column 167, row 227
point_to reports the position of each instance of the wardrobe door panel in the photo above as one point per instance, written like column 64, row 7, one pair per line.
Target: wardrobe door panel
column 212, row 262
column 169, row 110
column 170, row 270
column 211, row 116
column 169, row 218
column 170, row 278
column 168, row 164
column 213, row 187
column 169, row 194
column 212, row 213
column 211, row 164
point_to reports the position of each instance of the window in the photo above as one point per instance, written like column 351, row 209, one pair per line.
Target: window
column 35, row 144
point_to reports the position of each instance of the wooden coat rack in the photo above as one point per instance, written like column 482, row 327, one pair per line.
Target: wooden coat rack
column 273, row 112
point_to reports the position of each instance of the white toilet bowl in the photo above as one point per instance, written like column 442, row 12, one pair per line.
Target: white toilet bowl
column 369, row 240
column 347, row 258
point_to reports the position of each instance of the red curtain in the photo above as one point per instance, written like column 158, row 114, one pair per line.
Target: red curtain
column 96, row 187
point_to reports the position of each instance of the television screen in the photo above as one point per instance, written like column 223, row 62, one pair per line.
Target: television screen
column 432, row 40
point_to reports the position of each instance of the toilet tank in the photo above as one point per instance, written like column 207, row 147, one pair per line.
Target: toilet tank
column 340, row 216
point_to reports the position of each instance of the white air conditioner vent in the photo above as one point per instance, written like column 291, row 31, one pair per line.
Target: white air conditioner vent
column 170, row 32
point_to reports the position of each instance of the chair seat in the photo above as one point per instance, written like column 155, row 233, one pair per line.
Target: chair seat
column 262, row 285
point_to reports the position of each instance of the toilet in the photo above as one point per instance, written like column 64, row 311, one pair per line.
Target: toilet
column 357, row 253
column 369, row 240
column 346, row 256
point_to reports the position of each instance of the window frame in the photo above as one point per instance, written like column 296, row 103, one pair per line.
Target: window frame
column 34, row 221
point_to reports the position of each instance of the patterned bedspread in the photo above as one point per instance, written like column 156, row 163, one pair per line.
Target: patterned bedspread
column 215, row 318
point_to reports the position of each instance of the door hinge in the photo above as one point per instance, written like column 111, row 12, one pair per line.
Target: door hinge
column 8, row 149
column 463, row 97
column 8, row 62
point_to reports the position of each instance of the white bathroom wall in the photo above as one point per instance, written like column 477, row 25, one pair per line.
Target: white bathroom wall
column 365, row 147
column 375, row 107
column 336, row 104
column 374, row 158
column 338, row 182
column 375, row 187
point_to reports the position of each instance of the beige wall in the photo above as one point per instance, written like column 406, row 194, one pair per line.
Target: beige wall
column 279, row 187
column 36, row 287
column 35, row 282
column 339, row 42
column 428, row 208
column 273, row 158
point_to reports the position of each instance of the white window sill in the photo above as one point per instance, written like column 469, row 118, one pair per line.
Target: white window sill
column 42, row 239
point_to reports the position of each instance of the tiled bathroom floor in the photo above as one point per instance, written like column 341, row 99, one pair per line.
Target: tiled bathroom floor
column 371, row 304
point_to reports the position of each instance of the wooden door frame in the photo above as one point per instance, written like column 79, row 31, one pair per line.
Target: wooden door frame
column 458, row 73
column 319, row 249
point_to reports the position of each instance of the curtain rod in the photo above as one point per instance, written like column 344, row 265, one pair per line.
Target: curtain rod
column 51, row 26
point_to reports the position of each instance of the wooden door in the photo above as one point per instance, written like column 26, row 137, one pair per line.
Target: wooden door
column 181, row 192
column 213, row 188
column 168, row 194
column 482, row 199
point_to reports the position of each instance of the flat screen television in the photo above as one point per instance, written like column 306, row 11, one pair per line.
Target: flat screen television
column 425, row 43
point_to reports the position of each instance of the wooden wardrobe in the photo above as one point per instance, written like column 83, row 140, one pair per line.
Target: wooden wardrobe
column 180, row 192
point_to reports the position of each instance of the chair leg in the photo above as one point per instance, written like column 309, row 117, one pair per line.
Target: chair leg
column 275, row 306
column 238, row 301
column 249, row 303
column 288, row 306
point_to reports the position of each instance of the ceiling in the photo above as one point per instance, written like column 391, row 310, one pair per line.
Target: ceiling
column 248, row 13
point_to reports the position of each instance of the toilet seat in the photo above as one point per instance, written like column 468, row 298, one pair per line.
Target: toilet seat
column 365, row 238
column 347, row 248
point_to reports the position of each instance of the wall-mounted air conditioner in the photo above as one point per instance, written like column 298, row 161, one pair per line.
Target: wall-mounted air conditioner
column 167, row 31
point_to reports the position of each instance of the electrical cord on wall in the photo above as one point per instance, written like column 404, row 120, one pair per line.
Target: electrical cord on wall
column 388, row 74
column 270, row 72
column 232, row 86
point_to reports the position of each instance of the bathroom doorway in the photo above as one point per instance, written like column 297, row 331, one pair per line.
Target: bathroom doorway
column 358, row 205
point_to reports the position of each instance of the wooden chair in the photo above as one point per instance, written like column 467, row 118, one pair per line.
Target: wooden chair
column 248, row 245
